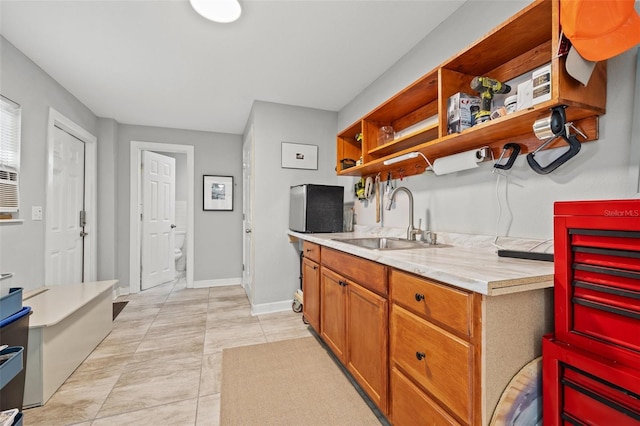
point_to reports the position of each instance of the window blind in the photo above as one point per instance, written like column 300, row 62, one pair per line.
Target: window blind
column 10, row 114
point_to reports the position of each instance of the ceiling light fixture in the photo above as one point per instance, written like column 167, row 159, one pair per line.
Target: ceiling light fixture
column 222, row 11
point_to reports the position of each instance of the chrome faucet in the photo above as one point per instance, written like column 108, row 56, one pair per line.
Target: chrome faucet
column 411, row 230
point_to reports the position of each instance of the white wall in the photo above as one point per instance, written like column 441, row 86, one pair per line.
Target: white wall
column 466, row 201
column 276, row 270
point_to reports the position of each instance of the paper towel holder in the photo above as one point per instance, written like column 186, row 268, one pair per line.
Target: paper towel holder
column 481, row 155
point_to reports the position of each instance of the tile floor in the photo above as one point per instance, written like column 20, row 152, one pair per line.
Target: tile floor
column 161, row 364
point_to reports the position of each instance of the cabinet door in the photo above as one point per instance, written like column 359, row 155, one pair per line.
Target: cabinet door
column 333, row 312
column 367, row 346
column 311, row 293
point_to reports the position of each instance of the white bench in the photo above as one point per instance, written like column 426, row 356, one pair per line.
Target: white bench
column 67, row 323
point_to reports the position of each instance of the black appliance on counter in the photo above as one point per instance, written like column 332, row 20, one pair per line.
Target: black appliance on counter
column 316, row 208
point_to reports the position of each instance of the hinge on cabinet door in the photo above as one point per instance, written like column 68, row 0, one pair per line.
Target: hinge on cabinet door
column 83, row 218
column 140, row 217
column 243, row 267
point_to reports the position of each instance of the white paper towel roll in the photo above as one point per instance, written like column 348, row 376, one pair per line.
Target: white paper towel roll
column 455, row 163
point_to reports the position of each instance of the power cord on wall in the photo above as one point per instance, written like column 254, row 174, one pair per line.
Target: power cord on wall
column 495, row 241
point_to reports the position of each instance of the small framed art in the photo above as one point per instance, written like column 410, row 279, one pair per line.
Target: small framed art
column 299, row 156
column 217, row 192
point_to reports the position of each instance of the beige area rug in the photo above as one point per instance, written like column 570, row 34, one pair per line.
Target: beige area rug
column 292, row 382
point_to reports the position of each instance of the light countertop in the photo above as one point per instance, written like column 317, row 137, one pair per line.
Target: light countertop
column 52, row 304
column 471, row 268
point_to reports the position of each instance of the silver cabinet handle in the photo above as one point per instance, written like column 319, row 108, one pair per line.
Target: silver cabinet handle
column 247, row 231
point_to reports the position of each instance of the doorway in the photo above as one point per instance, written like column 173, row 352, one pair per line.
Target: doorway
column 70, row 208
column 247, row 215
column 136, row 202
column 158, row 219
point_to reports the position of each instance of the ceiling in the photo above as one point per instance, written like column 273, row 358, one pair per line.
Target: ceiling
column 158, row 63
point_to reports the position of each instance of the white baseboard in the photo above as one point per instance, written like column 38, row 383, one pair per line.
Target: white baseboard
column 268, row 308
column 217, row 283
column 118, row 291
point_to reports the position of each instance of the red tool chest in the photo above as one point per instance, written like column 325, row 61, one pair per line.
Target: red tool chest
column 591, row 366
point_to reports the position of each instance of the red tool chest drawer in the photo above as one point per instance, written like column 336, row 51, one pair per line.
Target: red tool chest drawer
column 597, row 277
column 581, row 388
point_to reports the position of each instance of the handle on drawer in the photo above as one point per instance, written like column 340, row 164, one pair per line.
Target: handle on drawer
column 419, row 297
column 420, row 356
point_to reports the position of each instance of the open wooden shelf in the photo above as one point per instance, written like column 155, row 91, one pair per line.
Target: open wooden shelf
column 525, row 42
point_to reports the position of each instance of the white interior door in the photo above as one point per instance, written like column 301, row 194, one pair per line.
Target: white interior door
column 65, row 232
column 247, row 245
column 158, row 219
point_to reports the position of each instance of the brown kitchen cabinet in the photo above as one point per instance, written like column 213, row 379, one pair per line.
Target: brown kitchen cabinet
column 525, row 42
column 311, row 293
column 433, row 334
column 311, row 284
column 333, row 307
column 354, row 319
column 452, row 352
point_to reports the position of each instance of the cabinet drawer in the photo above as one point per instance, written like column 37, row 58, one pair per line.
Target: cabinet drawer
column 368, row 274
column 591, row 400
column 435, row 302
column 606, row 305
column 410, row 406
column 437, row 360
column 311, row 251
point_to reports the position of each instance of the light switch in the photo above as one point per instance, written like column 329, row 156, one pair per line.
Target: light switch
column 36, row 212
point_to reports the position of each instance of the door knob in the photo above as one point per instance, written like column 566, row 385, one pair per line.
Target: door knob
column 83, row 234
column 247, row 231
column 173, row 226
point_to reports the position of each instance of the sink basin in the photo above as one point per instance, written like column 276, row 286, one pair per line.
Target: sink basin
column 385, row 243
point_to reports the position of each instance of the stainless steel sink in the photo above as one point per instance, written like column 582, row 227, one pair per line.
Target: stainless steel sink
column 385, row 243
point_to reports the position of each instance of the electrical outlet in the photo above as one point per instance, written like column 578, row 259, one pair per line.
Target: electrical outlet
column 36, row 212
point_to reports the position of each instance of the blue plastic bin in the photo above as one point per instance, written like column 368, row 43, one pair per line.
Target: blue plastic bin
column 11, row 303
column 15, row 317
column 12, row 366
column 14, row 331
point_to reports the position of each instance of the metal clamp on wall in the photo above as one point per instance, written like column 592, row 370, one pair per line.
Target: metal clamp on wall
column 515, row 151
column 549, row 129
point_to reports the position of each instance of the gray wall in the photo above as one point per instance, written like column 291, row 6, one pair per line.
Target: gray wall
column 107, row 132
column 466, row 201
column 218, row 240
column 218, row 237
column 276, row 270
column 21, row 80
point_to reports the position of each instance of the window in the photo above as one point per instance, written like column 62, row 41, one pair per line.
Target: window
column 10, row 114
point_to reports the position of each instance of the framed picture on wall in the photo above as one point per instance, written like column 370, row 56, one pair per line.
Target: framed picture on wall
column 299, row 156
column 217, row 192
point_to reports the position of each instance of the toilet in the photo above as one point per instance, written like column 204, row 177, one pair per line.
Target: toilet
column 178, row 251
